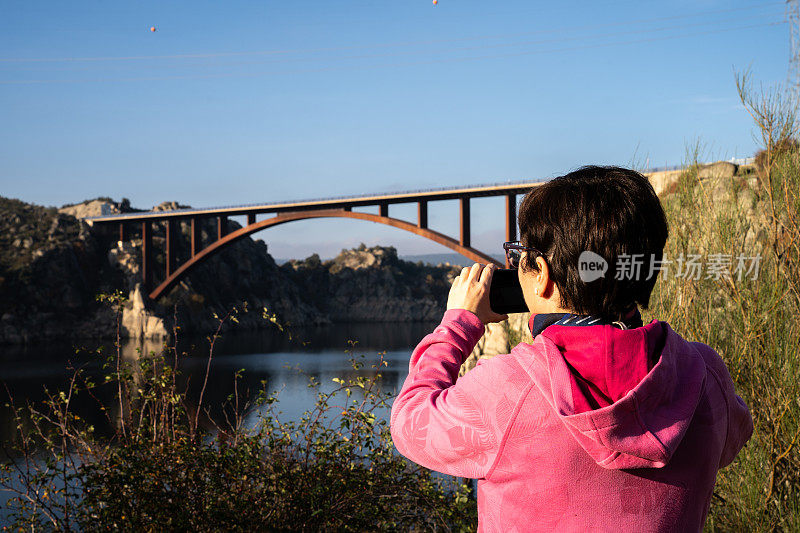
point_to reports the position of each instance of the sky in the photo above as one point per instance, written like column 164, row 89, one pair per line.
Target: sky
column 238, row 102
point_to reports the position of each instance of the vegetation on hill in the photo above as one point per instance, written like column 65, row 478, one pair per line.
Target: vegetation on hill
column 27, row 231
column 745, row 303
column 50, row 271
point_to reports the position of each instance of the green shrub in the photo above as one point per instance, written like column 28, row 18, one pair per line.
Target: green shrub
column 335, row 469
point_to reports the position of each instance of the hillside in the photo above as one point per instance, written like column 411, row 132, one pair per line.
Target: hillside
column 373, row 284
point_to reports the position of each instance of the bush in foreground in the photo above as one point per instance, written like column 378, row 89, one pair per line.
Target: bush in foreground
column 333, row 470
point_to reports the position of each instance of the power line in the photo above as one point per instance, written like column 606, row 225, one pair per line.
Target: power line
column 214, row 55
column 362, row 67
column 441, row 51
column 504, row 45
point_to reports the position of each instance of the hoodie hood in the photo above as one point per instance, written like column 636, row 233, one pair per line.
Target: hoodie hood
column 626, row 396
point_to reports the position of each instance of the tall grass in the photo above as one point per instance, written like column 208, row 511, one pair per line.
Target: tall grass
column 751, row 318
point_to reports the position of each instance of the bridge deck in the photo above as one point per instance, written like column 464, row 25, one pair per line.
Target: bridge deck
column 449, row 193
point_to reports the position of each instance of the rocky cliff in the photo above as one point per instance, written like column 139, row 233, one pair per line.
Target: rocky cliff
column 372, row 284
column 53, row 265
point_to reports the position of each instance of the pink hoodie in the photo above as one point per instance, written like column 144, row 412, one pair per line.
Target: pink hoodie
column 550, row 456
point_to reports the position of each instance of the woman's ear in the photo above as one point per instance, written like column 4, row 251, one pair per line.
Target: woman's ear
column 544, row 284
column 543, row 274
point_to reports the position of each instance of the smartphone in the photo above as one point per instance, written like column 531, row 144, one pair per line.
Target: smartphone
column 505, row 292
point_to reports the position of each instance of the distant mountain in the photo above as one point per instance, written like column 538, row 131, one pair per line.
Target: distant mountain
column 435, row 259
column 431, row 259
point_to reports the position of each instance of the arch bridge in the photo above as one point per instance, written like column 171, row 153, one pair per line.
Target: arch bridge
column 142, row 224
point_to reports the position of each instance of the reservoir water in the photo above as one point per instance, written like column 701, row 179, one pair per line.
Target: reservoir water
column 284, row 360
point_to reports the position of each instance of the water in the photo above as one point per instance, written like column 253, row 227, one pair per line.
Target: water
column 284, row 363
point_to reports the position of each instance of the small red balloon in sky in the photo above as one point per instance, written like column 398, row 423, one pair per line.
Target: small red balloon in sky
column 152, row 28
column 435, row 2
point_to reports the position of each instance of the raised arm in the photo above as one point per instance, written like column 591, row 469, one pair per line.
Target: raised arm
column 453, row 425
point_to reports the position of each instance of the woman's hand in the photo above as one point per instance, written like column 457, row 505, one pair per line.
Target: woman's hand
column 470, row 291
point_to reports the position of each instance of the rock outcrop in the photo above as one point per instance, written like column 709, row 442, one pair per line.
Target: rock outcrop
column 137, row 322
column 665, row 181
column 372, row 284
column 91, row 208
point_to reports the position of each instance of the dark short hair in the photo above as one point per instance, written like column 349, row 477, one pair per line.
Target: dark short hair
column 611, row 211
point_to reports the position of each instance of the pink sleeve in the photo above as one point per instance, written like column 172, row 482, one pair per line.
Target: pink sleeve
column 740, row 429
column 448, row 426
column 740, row 422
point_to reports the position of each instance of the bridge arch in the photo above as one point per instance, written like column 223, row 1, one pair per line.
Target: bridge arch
column 284, row 218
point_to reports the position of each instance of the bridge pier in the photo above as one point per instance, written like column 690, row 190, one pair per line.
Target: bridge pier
column 196, row 237
column 384, row 209
column 422, row 214
column 251, row 218
column 464, row 219
column 147, row 256
column 511, row 219
column 222, row 227
column 172, row 234
column 123, row 233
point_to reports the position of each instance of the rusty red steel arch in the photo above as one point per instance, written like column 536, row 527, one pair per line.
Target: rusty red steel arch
column 241, row 233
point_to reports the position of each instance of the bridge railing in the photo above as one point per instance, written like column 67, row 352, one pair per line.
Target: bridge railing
column 368, row 199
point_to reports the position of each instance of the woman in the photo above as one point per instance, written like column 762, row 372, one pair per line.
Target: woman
column 602, row 423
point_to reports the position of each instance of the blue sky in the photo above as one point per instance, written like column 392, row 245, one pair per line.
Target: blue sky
column 239, row 102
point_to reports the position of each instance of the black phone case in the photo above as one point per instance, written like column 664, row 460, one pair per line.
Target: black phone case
column 505, row 293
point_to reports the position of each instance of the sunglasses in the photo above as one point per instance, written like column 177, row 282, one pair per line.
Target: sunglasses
column 514, row 251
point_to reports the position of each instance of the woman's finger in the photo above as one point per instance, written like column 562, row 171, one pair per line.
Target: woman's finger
column 475, row 272
column 486, row 274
